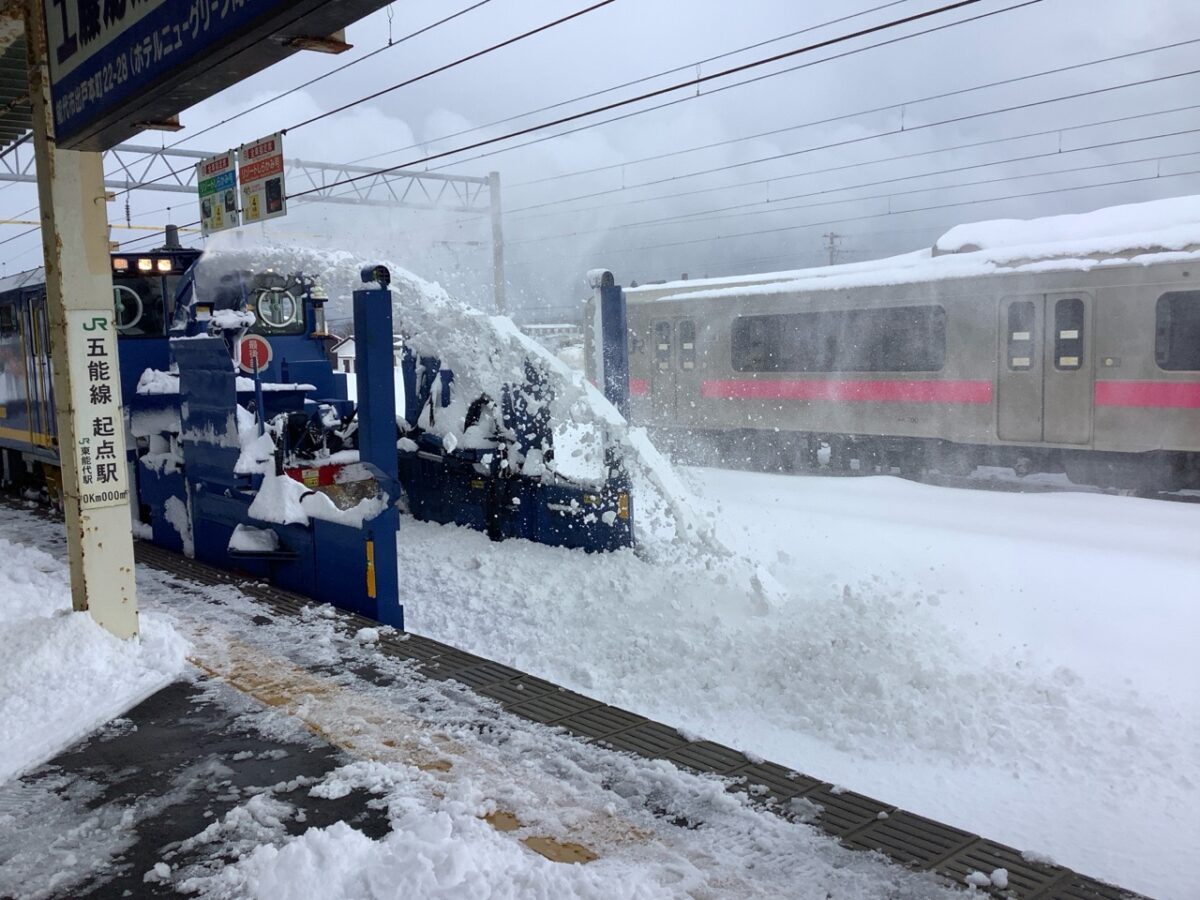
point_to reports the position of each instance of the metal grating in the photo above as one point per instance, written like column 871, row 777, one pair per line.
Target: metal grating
column 601, row 721
column 551, row 707
column 648, row 739
column 773, row 781
column 911, row 839
column 844, row 811
column 1024, row 878
column 519, row 690
column 707, row 756
column 1080, row 887
column 485, row 675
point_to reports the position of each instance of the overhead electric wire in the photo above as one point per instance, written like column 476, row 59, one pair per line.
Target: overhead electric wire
column 691, row 82
column 901, row 212
column 892, row 194
column 808, row 173
column 354, row 62
column 904, row 129
column 428, row 74
column 717, row 213
column 636, row 81
column 864, row 112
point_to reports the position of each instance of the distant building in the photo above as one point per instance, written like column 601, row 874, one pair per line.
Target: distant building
column 343, row 355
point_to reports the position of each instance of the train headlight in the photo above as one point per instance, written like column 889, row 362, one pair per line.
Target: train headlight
column 164, row 265
column 120, row 265
column 145, row 265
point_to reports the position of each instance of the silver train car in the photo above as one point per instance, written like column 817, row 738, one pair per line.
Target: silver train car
column 934, row 361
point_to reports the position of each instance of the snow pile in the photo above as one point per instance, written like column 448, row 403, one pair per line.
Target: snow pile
column 1139, row 234
column 285, row 501
column 1155, row 226
column 62, row 675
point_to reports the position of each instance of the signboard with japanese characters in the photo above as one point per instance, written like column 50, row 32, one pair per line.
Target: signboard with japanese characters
column 96, row 401
column 216, row 183
column 117, row 66
column 260, row 169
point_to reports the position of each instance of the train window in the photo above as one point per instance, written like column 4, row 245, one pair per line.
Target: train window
column 1021, row 322
column 1177, row 331
column 687, row 344
column 1068, row 334
column 139, row 302
column 8, row 320
column 662, row 345
column 897, row 339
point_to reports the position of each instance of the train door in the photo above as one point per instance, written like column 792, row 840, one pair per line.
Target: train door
column 41, row 396
column 1068, row 369
column 662, row 376
column 1044, row 383
column 687, row 375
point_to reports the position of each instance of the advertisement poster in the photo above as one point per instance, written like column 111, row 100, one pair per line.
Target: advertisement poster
column 216, row 181
column 260, row 165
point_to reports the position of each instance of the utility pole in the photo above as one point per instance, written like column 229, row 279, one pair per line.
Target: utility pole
column 497, row 242
column 833, row 242
column 83, row 351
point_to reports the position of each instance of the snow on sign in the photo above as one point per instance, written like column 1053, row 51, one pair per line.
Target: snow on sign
column 96, row 406
column 254, row 352
column 216, row 183
column 260, row 167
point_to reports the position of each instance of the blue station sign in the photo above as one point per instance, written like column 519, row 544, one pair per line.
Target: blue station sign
column 118, row 65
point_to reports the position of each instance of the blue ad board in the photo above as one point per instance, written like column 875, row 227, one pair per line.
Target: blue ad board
column 104, row 52
column 118, row 64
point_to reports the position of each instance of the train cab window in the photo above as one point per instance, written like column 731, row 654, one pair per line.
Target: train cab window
column 894, row 339
column 687, row 345
column 278, row 306
column 1068, row 334
column 140, row 304
column 1177, row 331
column 662, row 345
column 1021, row 322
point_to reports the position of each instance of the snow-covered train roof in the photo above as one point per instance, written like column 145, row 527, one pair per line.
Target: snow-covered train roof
column 1138, row 233
column 20, row 279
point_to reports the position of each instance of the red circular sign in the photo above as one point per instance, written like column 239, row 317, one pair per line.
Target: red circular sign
column 253, row 348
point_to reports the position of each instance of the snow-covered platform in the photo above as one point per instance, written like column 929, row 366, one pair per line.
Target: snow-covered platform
column 313, row 749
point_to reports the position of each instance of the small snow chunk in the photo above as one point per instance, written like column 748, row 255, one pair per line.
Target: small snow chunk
column 977, row 879
column 367, row 635
column 803, row 810
column 1033, row 856
column 838, row 789
column 881, row 815
column 160, row 872
column 406, row 445
column 999, row 878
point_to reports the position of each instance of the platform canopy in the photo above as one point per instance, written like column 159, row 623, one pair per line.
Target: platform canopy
column 14, row 88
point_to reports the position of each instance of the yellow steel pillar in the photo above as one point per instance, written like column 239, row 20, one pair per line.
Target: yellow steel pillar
column 83, row 343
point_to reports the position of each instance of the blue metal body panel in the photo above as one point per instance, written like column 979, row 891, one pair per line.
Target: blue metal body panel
column 614, row 328
column 374, row 370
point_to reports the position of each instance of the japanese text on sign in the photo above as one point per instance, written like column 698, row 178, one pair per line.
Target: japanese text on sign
column 216, row 183
column 103, row 50
column 96, row 396
column 260, row 169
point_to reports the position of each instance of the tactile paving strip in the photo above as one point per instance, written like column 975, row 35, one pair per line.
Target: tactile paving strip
column 1025, row 879
column 855, row 818
column 910, row 839
column 707, row 756
column 650, row 739
column 601, row 721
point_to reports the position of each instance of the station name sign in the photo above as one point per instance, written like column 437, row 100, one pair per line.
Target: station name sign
column 116, row 65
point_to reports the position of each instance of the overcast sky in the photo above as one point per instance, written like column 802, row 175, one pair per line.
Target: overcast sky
column 550, row 247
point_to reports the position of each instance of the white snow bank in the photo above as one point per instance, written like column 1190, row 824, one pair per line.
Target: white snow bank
column 1137, row 234
column 1173, row 223
column 61, row 674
